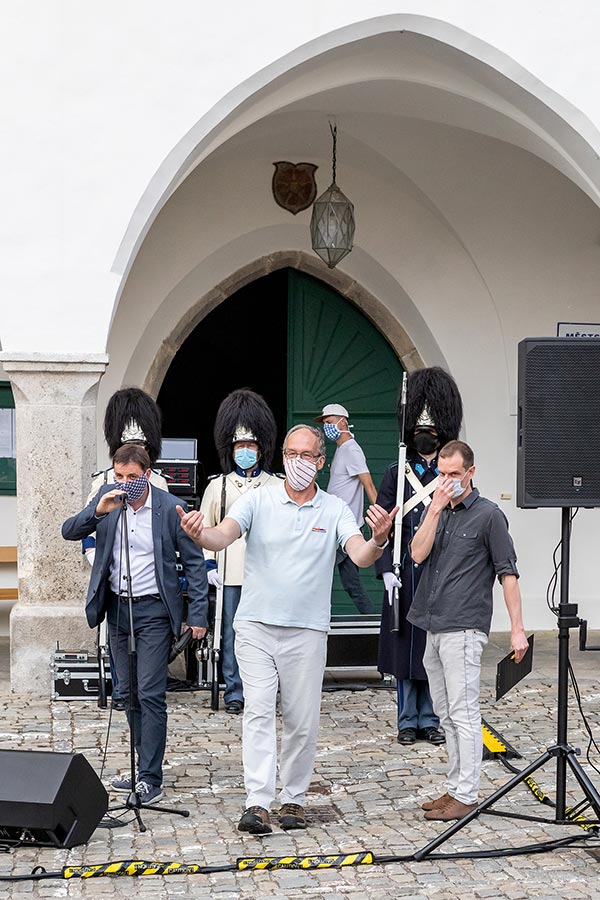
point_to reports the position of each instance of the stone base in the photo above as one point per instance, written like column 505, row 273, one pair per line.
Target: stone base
column 34, row 632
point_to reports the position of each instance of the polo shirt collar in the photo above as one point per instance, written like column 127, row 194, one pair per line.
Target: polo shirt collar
column 316, row 500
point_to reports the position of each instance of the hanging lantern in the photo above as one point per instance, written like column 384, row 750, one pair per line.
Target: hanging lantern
column 332, row 220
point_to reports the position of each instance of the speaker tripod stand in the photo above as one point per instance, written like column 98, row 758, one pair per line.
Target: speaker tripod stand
column 134, row 800
column 562, row 752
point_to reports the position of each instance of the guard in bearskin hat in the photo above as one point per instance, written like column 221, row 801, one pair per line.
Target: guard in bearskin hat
column 432, row 417
column 245, row 434
column 132, row 415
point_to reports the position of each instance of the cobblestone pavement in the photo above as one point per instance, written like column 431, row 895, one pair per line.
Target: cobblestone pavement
column 366, row 795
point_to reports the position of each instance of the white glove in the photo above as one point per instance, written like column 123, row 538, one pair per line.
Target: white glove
column 214, row 578
column 391, row 582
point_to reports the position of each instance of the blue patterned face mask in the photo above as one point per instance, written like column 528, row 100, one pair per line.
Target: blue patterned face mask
column 245, row 458
column 331, row 431
column 133, row 489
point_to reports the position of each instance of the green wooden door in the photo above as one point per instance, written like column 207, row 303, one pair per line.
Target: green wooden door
column 335, row 355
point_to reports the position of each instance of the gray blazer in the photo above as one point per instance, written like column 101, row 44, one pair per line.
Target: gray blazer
column 168, row 537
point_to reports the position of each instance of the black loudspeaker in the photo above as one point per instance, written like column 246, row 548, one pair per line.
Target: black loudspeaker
column 48, row 799
column 558, row 454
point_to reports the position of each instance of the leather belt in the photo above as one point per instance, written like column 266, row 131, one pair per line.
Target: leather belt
column 124, row 598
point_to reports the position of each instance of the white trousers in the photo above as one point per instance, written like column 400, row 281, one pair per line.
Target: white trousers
column 452, row 661
column 293, row 660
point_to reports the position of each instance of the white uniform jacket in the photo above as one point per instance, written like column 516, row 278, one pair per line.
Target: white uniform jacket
column 210, row 507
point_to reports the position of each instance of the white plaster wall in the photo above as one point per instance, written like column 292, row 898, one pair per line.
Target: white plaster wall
column 100, row 95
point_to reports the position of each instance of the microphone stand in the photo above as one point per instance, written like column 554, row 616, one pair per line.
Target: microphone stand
column 134, row 801
column 395, row 612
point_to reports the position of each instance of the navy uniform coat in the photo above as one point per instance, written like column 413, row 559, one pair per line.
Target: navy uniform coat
column 401, row 653
column 168, row 537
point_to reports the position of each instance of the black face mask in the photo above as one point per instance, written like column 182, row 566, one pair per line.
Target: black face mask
column 426, row 443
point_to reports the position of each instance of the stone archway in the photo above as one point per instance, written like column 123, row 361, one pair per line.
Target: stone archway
column 354, row 292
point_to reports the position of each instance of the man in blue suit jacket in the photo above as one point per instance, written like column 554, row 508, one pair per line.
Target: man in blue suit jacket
column 154, row 535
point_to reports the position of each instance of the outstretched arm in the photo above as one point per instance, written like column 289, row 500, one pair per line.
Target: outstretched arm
column 364, row 553
column 216, row 538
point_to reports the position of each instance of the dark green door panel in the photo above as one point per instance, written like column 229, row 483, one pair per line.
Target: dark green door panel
column 335, row 355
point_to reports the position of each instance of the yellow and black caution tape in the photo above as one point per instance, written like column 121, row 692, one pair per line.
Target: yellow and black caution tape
column 495, row 745
column 140, row 867
column 306, row 862
column 132, row 867
column 571, row 813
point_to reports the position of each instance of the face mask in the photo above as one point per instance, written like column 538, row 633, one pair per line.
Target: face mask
column 331, row 431
column 457, row 488
column 299, row 473
column 134, row 490
column 426, row 443
column 245, row 458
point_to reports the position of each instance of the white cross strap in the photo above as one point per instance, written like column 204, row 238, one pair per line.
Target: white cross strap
column 422, row 491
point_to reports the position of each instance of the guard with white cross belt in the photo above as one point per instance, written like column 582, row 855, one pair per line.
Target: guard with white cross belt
column 429, row 415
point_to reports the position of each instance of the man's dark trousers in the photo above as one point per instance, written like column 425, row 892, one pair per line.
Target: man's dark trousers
column 148, row 702
column 352, row 584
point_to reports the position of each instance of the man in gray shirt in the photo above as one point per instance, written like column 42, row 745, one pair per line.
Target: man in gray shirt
column 464, row 543
column 349, row 478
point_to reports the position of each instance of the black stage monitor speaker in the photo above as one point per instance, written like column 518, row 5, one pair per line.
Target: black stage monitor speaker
column 558, row 453
column 48, row 799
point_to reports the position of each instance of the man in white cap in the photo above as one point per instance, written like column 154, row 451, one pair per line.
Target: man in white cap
column 349, row 478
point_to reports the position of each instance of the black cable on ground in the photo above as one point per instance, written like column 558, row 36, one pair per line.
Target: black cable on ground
column 144, row 868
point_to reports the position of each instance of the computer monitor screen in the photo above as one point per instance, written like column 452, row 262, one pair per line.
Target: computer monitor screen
column 178, row 448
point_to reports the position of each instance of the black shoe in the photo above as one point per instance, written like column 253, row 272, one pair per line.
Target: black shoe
column 291, row 815
column 255, row 820
column 407, row 735
column 235, row 707
column 118, row 703
column 433, row 735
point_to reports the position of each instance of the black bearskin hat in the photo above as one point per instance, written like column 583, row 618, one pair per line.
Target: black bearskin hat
column 434, row 392
column 132, row 415
column 249, row 412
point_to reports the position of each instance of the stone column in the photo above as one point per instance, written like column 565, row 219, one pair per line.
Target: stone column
column 55, row 401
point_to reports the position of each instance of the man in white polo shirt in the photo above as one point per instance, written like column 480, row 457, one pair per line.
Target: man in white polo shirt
column 293, row 531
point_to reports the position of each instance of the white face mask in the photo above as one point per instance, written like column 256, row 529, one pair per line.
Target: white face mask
column 458, row 488
column 300, row 473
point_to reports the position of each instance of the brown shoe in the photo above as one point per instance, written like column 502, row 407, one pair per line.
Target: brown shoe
column 452, row 809
column 291, row 815
column 434, row 804
column 255, row 820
